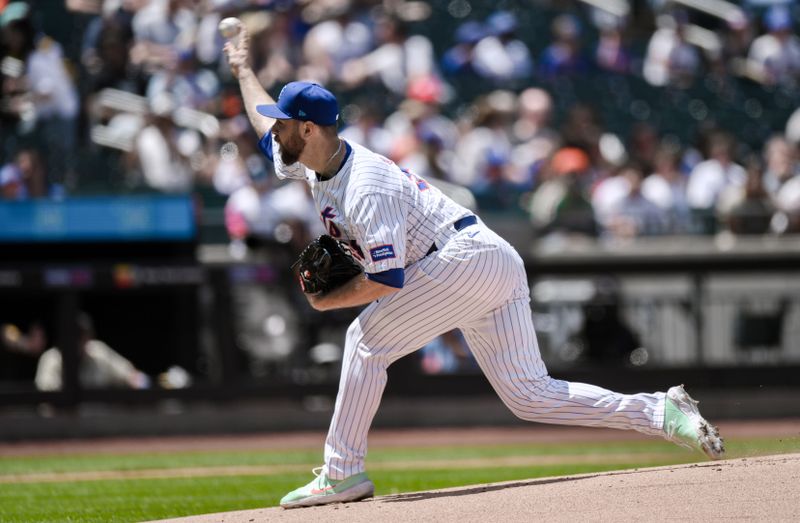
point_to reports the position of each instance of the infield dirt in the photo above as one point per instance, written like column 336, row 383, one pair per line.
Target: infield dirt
column 763, row 488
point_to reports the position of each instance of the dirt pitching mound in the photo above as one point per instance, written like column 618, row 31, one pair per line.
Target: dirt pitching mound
column 760, row 488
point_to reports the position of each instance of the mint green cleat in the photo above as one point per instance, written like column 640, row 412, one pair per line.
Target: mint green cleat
column 684, row 425
column 323, row 490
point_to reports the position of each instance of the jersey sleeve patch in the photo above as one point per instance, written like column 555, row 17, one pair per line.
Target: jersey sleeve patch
column 382, row 252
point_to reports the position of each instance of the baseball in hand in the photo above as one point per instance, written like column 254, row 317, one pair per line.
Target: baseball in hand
column 229, row 27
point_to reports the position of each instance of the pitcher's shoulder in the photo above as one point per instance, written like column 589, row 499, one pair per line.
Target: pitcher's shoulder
column 372, row 169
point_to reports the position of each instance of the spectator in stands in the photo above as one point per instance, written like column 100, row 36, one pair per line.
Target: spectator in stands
column 643, row 144
column 535, row 115
column 19, row 350
column 207, row 40
column 559, row 204
column 787, row 201
column 366, row 127
column 105, row 53
column 238, row 164
column 428, row 159
column 709, row 178
column 792, row 130
column 608, row 194
column 281, row 214
column 670, row 59
column 160, row 28
column 12, row 187
column 736, row 41
column 782, row 182
column 612, row 53
column 488, row 138
column 34, row 174
column 781, row 163
column 500, row 56
column 162, row 157
column 534, row 139
column 666, row 187
column 497, row 192
column 775, row 57
column 432, row 160
column 634, row 215
column 24, row 178
column 40, row 92
column 13, row 98
column 276, row 50
column 419, row 113
column 748, row 209
column 582, row 128
column 399, row 59
column 564, row 57
column 459, row 59
column 136, row 41
column 186, row 83
column 574, row 214
column 100, row 365
column 339, row 36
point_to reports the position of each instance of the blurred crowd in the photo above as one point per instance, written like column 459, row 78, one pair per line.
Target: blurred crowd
column 475, row 105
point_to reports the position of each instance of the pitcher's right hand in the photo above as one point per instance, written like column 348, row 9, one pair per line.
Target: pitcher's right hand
column 238, row 54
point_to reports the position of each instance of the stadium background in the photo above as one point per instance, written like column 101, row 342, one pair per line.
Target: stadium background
column 142, row 206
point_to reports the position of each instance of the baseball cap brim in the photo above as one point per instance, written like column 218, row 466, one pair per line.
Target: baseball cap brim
column 272, row 111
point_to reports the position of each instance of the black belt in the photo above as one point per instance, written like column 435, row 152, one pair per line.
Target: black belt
column 461, row 223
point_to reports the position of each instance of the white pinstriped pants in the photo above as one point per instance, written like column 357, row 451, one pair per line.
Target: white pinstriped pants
column 476, row 282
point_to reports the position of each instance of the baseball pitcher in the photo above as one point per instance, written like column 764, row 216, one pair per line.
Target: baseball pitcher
column 425, row 266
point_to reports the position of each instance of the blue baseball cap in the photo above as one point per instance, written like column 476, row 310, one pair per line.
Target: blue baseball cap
column 502, row 22
column 778, row 18
column 303, row 101
column 470, row 32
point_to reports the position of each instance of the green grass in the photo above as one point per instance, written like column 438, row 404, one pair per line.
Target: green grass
column 87, row 462
column 137, row 500
column 126, row 500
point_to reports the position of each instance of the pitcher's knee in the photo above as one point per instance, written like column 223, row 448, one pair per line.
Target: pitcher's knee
column 521, row 413
column 362, row 354
column 528, row 402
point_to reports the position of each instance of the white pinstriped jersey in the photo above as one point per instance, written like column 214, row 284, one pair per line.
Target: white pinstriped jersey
column 474, row 282
column 390, row 216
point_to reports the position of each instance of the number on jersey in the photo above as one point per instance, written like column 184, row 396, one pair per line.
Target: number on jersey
column 421, row 184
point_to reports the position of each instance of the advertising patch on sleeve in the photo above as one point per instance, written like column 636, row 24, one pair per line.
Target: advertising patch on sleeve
column 382, row 252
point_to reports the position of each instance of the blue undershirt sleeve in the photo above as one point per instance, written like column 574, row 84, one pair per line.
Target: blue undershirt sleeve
column 393, row 278
column 265, row 144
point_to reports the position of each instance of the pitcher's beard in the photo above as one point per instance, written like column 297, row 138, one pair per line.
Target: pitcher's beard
column 288, row 158
column 291, row 150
